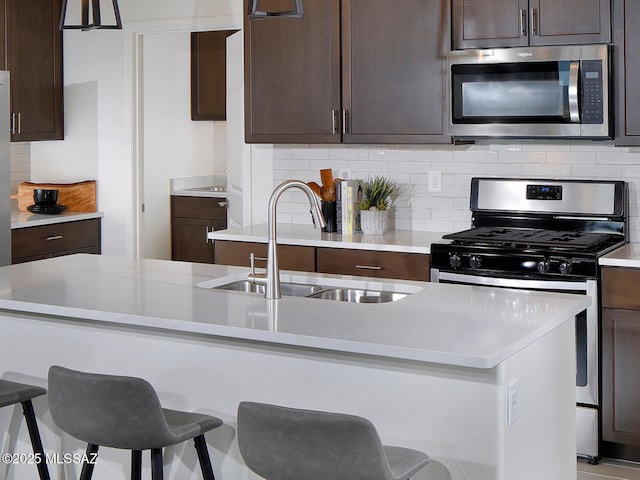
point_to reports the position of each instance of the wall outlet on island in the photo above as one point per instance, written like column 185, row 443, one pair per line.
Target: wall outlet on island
column 512, row 402
column 435, row 181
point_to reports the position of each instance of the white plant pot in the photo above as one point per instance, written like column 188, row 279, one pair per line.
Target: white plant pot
column 374, row 222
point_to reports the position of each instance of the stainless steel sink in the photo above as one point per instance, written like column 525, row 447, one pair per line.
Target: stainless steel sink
column 208, row 189
column 288, row 289
column 340, row 294
column 357, row 295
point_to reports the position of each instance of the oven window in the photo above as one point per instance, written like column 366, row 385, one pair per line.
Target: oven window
column 536, row 92
column 581, row 349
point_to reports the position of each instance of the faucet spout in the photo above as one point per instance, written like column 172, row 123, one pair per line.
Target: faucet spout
column 272, row 290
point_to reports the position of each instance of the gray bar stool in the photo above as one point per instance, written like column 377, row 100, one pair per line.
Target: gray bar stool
column 12, row 393
column 124, row 412
column 281, row 443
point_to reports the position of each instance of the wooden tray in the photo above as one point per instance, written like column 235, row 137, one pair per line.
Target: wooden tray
column 78, row 197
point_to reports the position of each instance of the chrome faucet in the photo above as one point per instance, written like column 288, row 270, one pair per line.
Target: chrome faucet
column 272, row 279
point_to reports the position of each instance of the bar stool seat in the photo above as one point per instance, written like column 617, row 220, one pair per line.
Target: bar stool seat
column 282, row 443
column 124, row 412
column 12, row 393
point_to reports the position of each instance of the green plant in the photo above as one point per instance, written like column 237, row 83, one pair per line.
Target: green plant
column 376, row 192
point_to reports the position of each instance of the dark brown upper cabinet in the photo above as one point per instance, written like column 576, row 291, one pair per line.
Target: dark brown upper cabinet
column 513, row 23
column 350, row 71
column 209, row 75
column 626, row 18
column 34, row 60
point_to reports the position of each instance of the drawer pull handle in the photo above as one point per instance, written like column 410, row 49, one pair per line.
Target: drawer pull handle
column 54, row 237
column 368, row 267
column 222, row 204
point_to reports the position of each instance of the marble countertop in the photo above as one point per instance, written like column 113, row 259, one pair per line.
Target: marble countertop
column 393, row 241
column 27, row 219
column 203, row 186
column 626, row 256
column 458, row 325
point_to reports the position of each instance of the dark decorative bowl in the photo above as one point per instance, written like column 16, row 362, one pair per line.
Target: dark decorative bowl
column 44, row 196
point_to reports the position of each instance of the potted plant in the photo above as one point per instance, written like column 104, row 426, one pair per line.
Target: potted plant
column 375, row 204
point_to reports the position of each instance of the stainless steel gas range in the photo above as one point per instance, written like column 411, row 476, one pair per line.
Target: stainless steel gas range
column 540, row 234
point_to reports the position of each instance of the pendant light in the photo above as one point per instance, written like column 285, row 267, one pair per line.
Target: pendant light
column 90, row 15
column 254, row 13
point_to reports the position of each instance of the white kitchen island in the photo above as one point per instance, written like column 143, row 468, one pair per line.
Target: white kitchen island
column 430, row 370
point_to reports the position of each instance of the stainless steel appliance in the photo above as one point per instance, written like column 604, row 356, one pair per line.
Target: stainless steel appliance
column 5, row 172
column 539, row 234
column 528, row 92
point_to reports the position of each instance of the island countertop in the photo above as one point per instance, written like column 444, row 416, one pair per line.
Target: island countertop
column 445, row 324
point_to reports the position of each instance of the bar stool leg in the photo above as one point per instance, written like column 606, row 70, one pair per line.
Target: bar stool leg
column 36, row 442
column 87, row 468
column 203, row 457
column 136, row 464
column 156, row 464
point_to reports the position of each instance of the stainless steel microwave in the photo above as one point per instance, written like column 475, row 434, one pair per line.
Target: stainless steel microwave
column 529, row 92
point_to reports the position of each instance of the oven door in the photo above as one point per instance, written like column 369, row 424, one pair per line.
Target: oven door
column 586, row 322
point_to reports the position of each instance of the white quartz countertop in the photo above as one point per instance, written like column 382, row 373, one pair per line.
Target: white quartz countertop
column 27, row 219
column 291, row 234
column 626, row 256
column 446, row 324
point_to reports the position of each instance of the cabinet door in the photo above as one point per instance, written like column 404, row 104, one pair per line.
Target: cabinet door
column 393, row 70
column 189, row 242
column 34, row 58
column 626, row 18
column 621, row 383
column 292, row 74
column 209, row 75
column 490, row 23
column 290, row 257
column 569, row 22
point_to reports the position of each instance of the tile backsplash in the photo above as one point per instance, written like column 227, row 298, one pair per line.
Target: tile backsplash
column 20, row 164
column 447, row 211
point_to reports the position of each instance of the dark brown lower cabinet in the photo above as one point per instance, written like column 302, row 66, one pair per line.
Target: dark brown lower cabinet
column 290, row 257
column 191, row 219
column 341, row 261
column 620, row 361
column 55, row 240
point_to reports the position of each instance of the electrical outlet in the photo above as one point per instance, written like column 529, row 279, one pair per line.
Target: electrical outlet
column 435, row 181
column 512, row 402
column 342, row 173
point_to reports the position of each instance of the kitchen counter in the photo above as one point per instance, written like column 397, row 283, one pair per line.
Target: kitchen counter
column 430, row 370
column 626, row 256
column 291, row 234
column 27, row 219
column 214, row 186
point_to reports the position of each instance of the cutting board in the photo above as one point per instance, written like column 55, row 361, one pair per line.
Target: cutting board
column 78, row 197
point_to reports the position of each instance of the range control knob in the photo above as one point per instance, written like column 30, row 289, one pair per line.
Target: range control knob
column 475, row 262
column 565, row 267
column 455, row 260
column 544, row 266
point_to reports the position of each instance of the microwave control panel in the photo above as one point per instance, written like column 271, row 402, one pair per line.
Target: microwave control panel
column 592, row 91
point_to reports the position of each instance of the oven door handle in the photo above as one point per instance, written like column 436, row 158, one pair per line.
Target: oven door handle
column 574, row 74
column 513, row 283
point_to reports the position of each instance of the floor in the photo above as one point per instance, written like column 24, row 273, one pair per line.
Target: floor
column 609, row 470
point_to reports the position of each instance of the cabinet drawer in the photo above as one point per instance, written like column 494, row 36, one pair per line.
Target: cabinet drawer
column 290, row 257
column 199, row 207
column 620, row 288
column 52, row 240
column 405, row 266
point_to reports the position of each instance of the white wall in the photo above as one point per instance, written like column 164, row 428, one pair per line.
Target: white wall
column 100, row 103
column 448, row 211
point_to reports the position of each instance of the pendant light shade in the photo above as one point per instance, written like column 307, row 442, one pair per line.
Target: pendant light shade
column 88, row 15
column 296, row 12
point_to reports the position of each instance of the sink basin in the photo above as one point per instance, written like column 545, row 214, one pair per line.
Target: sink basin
column 208, row 189
column 357, row 295
column 287, row 289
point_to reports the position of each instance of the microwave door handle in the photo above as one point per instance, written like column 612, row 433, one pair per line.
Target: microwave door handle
column 574, row 74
